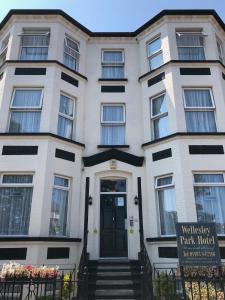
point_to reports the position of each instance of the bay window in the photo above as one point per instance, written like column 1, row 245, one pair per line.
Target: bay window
column 154, row 52
column 220, row 49
column 159, row 116
column 34, row 45
column 59, row 206
column 113, row 64
column 190, row 44
column 25, row 110
column 15, row 203
column 71, row 53
column 167, row 205
column 209, row 190
column 199, row 110
column 113, row 124
column 66, row 117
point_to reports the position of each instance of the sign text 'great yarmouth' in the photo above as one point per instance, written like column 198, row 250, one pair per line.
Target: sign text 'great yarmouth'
column 197, row 244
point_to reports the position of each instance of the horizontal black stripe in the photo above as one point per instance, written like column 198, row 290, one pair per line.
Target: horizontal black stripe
column 162, row 154
column 30, row 71
column 113, row 79
column 206, row 149
column 69, row 79
column 38, row 239
column 112, row 88
column 13, row 253
column 195, row 71
column 113, row 146
column 64, row 154
column 58, row 252
column 167, row 252
column 20, row 150
column 156, row 79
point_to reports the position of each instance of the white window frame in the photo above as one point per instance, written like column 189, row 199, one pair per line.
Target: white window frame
column 77, row 58
column 113, row 64
column 157, row 188
column 156, row 53
column 199, row 184
column 112, row 179
column 16, row 184
column 4, row 48
column 221, row 46
column 160, row 115
column 73, row 119
column 114, row 122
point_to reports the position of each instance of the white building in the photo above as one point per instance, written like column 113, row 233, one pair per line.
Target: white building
column 122, row 122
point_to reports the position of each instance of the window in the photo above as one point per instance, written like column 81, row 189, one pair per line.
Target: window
column 154, row 51
column 113, row 64
column 220, row 49
column 159, row 116
column 167, row 205
column 190, row 44
column 209, row 192
column 15, row 203
column 66, row 117
column 199, row 110
column 113, row 124
column 3, row 50
column 34, row 45
column 59, row 207
column 25, row 110
column 113, row 186
column 71, row 53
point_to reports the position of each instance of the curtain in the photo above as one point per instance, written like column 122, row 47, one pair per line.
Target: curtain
column 65, row 127
column 198, row 98
column 17, row 179
column 160, row 127
column 35, row 40
column 27, row 98
column 191, row 47
column 15, row 206
column 34, row 47
column 210, row 206
column 113, row 134
column 113, row 114
column 167, row 208
column 208, row 178
column 58, row 212
column 70, row 61
column 113, row 57
column 112, row 72
column 24, row 121
column 66, row 106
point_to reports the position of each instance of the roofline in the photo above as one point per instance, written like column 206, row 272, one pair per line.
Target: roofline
column 167, row 12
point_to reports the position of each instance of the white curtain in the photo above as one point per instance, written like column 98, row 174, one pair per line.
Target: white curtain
column 112, row 72
column 25, row 121
column 70, row 61
column 167, row 209
column 190, row 47
column 160, row 125
column 113, row 113
column 71, row 54
column 15, row 206
column 58, row 212
column 27, row 98
column 65, row 125
column 111, row 69
column 113, row 57
column 34, row 47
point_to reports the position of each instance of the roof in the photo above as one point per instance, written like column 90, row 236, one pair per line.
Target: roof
column 186, row 12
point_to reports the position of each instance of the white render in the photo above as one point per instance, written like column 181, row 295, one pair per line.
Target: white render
column 88, row 99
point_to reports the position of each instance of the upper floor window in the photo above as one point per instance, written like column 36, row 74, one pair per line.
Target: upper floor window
column 3, row 50
column 66, row 117
column 209, row 192
column 25, row 110
column 113, row 64
column 34, row 45
column 190, row 44
column 71, row 53
column 113, row 124
column 199, row 110
column 167, row 205
column 159, row 116
column 220, row 49
column 15, row 203
column 154, row 51
column 59, row 206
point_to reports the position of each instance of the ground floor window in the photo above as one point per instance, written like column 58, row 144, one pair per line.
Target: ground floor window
column 15, row 204
column 167, row 205
column 209, row 192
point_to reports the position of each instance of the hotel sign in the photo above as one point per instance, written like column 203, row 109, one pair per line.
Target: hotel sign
column 197, row 244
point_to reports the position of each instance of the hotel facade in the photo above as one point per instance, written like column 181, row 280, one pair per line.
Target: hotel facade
column 109, row 138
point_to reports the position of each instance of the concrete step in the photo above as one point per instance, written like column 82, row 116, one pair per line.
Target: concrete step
column 115, row 292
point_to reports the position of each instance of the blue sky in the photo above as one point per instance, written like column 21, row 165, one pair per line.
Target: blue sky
column 113, row 15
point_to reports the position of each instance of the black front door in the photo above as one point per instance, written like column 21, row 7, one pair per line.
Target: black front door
column 113, row 235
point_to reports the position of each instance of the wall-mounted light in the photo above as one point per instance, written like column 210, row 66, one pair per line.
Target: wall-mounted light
column 90, row 200
column 136, row 200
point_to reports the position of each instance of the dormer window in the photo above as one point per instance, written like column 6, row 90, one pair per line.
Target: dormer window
column 71, row 53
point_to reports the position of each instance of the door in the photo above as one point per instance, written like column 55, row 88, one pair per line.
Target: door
column 113, row 227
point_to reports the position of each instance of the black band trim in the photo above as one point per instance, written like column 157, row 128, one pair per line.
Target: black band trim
column 20, row 150
column 112, row 146
column 162, row 154
column 69, row 79
column 99, row 158
column 113, row 89
column 113, row 79
column 195, row 71
column 162, row 239
column 38, row 239
column 206, row 149
column 58, row 253
column 156, row 79
column 49, row 134
column 66, row 155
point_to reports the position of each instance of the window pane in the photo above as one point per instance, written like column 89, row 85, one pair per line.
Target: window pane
column 156, row 61
column 35, row 40
column 36, row 53
column 154, row 46
column 160, row 127
column 27, row 98
column 60, row 181
column 190, row 40
column 25, row 121
column 65, row 127
column 15, row 206
column 164, row 181
column 113, row 114
column 113, row 57
column 210, row 206
column 198, row 98
column 159, row 105
column 190, row 53
column 17, row 179
column 113, row 186
column 167, row 209
column 208, row 178
column 113, row 135
column 113, row 72
column 58, row 218
column 200, row 121
column 66, row 106
column 72, row 44
column 70, row 62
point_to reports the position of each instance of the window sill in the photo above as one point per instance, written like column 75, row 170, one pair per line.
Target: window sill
column 113, row 146
column 19, row 238
column 113, row 79
column 162, row 239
